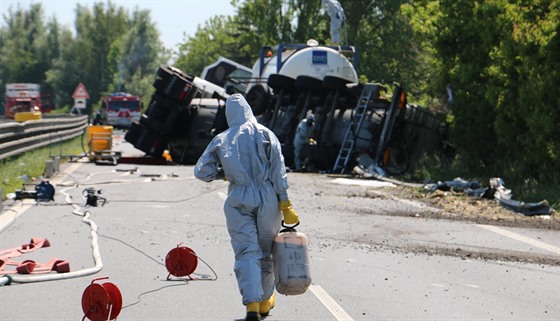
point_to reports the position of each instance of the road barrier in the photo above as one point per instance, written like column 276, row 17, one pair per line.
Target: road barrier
column 17, row 138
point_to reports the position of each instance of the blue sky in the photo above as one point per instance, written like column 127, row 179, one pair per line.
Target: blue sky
column 173, row 18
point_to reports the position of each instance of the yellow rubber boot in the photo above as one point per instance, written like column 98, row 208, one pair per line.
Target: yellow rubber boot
column 267, row 305
column 253, row 312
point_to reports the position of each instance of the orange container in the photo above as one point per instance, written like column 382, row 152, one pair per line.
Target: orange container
column 99, row 138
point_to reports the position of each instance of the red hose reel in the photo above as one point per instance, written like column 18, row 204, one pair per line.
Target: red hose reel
column 181, row 261
column 101, row 302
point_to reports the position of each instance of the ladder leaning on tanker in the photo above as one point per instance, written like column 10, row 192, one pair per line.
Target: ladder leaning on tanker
column 369, row 92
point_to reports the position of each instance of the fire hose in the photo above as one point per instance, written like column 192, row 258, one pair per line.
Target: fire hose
column 6, row 280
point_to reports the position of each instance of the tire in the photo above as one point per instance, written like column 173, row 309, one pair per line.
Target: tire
column 175, row 84
column 259, row 99
column 166, row 72
column 133, row 134
column 309, row 83
column 335, row 83
column 277, row 81
column 355, row 89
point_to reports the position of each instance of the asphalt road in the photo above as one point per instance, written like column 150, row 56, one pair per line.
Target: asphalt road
column 373, row 256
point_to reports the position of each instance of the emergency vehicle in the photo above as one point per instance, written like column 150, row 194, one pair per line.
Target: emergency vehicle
column 121, row 109
column 22, row 97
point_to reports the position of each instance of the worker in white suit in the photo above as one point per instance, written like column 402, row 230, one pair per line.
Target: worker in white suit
column 335, row 11
column 249, row 156
column 303, row 134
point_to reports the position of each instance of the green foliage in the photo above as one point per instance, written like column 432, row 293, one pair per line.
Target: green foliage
column 30, row 166
column 214, row 39
column 112, row 50
column 256, row 24
column 502, row 61
column 24, row 50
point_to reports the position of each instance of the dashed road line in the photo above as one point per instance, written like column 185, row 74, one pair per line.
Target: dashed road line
column 9, row 216
column 330, row 303
column 521, row 238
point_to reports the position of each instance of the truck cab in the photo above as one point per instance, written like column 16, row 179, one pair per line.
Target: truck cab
column 121, row 109
column 22, row 97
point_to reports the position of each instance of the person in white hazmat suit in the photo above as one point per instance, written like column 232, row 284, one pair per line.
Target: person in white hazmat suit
column 336, row 13
column 248, row 155
column 302, row 137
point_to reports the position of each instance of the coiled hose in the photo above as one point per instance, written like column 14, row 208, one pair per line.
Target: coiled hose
column 6, row 280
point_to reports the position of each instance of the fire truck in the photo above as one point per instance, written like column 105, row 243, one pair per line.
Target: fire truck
column 22, row 97
column 121, row 109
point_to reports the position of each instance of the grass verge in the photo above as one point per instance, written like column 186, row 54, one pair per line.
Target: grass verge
column 30, row 166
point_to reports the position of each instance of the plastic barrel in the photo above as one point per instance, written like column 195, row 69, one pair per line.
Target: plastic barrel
column 99, row 138
column 291, row 262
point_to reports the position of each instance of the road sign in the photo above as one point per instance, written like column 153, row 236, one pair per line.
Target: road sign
column 80, row 92
column 80, row 103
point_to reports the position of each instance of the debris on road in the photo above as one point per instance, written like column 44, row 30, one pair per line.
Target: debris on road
column 496, row 190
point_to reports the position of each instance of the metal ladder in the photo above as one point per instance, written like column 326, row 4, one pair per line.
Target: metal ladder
column 347, row 148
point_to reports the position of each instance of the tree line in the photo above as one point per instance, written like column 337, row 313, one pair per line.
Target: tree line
column 109, row 49
column 491, row 67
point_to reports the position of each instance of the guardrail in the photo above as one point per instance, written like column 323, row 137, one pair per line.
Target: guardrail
column 17, row 138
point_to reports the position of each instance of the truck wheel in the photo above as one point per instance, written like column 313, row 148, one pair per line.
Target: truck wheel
column 175, row 84
column 309, row 83
column 167, row 72
column 335, row 83
column 277, row 81
column 259, row 99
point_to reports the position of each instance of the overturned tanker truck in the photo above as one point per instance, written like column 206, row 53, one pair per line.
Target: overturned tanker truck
column 369, row 124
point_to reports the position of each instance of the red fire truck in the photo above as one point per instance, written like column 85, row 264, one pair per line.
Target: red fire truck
column 22, row 97
column 120, row 109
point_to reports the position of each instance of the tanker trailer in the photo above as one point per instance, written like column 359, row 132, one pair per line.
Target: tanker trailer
column 284, row 88
column 293, row 80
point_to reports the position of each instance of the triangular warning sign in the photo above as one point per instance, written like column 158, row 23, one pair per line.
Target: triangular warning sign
column 80, row 92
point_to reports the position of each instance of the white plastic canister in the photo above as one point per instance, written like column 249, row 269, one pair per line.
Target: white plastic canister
column 291, row 262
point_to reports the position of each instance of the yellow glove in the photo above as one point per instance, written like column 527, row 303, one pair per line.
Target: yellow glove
column 312, row 141
column 290, row 216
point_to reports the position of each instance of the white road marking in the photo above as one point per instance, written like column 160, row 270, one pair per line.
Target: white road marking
column 330, row 303
column 58, row 179
column 13, row 213
column 416, row 204
column 521, row 238
column 367, row 183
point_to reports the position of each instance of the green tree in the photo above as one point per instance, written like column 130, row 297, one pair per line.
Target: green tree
column 24, row 52
column 135, row 56
column 501, row 58
column 96, row 30
column 384, row 40
column 62, row 76
column 524, row 85
column 215, row 38
column 256, row 24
